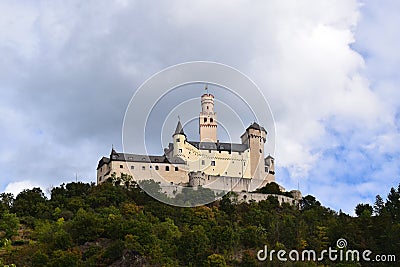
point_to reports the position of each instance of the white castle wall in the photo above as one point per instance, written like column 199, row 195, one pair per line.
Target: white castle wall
column 225, row 183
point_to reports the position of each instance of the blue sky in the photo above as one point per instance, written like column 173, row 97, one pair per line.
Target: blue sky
column 329, row 70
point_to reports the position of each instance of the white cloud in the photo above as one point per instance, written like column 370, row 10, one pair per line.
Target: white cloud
column 17, row 187
column 328, row 69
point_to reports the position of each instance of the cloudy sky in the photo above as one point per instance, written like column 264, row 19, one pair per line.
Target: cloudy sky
column 329, row 70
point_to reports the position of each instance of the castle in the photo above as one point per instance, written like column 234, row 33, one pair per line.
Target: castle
column 238, row 167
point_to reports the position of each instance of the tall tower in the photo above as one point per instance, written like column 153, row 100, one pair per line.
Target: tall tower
column 255, row 138
column 179, row 140
column 207, row 119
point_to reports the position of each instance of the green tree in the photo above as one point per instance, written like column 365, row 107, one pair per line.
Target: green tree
column 393, row 203
column 223, row 239
column 9, row 224
column 105, row 195
column 309, row 202
column 85, row 226
column 53, row 235
column 39, row 259
column 270, row 188
column 379, row 205
column 6, row 201
column 114, row 251
column 193, row 246
column 227, row 205
column 168, row 234
column 65, row 259
column 252, row 236
column 216, row 260
column 248, row 259
column 363, row 210
column 30, row 202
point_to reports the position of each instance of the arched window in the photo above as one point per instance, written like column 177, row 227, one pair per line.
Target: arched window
column 211, row 120
column 205, row 119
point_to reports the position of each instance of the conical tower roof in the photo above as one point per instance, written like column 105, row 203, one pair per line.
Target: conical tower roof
column 179, row 128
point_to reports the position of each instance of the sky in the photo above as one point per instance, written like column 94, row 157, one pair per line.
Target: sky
column 329, row 70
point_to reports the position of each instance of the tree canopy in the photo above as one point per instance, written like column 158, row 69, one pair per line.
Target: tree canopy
column 117, row 224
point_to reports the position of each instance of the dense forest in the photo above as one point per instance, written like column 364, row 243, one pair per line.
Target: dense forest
column 82, row 224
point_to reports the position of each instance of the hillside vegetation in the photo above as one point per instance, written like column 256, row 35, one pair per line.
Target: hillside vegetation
column 84, row 224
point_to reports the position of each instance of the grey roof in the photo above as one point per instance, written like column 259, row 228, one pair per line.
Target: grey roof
column 115, row 156
column 219, row 146
column 102, row 161
column 169, row 148
column 256, row 126
column 179, row 128
column 145, row 158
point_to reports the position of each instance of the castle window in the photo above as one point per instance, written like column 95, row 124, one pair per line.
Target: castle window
column 132, row 167
column 100, row 178
column 203, row 162
column 244, row 163
column 176, row 169
column 178, row 140
column 167, row 168
column 156, row 167
column 226, row 173
column 101, row 169
column 143, row 168
column 213, row 163
column 260, row 150
column 205, row 119
column 266, row 169
column 211, row 120
column 207, row 107
column 180, row 150
column 121, row 166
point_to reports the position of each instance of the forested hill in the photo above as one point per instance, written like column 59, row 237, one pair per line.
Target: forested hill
column 106, row 225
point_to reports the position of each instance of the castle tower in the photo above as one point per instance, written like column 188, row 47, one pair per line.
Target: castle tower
column 255, row 138
column 207, row 119
column 270, row 164
column 179, row 138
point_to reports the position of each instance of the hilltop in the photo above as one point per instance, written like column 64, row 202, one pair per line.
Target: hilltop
column 84, row 224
